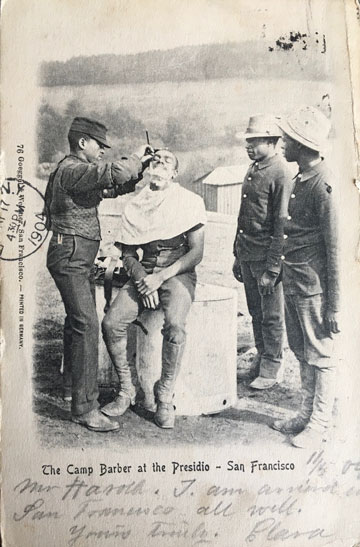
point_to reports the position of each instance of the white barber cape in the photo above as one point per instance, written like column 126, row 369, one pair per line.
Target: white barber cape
column 160, row 214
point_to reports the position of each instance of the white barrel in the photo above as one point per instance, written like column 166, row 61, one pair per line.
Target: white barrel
column 207, row 380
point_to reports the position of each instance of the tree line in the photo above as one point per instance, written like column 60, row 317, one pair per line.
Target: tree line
column 248, row 59
column 180, row 132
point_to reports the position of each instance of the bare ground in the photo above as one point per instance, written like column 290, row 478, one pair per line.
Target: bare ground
column 247, row 423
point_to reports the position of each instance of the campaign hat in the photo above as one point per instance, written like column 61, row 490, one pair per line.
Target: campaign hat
column 94, row 129
column 308, row 126
column 261, row 125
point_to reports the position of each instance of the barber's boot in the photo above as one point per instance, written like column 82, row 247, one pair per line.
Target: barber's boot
column 127, row 392
column 164, row 389
column 292, row 426
column 319, row 422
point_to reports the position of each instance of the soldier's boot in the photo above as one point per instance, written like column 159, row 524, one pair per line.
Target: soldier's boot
column 254, row 369
column 164, row 389
column 299, row 422
column 127, row 392
column 323, row 404
column 268, row 375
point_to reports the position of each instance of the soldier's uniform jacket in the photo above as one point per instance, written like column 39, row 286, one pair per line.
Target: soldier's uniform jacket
column 75, row 190
column 265, row 194
column 310, row 258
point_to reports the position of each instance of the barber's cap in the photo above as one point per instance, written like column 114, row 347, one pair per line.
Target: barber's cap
column 94, row 129
column 308, row 126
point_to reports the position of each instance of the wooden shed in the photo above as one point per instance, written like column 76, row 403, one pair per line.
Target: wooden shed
column 221, row 188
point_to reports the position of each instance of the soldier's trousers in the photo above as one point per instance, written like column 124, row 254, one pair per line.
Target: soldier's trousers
column 306, row 332
column 267, row 312
column 313, row 346
column 70, row 260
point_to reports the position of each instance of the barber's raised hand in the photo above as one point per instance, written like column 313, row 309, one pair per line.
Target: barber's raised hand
column 151, row 301
column 149, row 284
column 145, row 153
column 331, row 322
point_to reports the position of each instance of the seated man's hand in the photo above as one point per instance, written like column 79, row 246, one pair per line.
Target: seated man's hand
column 151, row 301
column 237, row 271
column 267, row 283
column 149, row 284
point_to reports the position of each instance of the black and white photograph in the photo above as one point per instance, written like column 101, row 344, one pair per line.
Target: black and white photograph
column 180, row 275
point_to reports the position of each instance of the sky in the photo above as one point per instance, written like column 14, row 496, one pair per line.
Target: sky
column 70, row 28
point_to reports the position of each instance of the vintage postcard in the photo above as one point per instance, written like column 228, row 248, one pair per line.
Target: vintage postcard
column 180, row 286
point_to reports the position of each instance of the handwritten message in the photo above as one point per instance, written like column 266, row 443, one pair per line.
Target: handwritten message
column 131, row 504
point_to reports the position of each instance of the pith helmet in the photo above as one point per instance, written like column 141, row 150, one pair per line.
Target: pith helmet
column 95, row 130
column 261, row 125
column 308, row 126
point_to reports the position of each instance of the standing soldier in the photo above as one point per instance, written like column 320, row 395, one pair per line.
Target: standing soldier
column 74, row 191
column 310, row 275
column 259, row 244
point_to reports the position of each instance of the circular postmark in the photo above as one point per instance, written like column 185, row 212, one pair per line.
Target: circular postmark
column 22, row 219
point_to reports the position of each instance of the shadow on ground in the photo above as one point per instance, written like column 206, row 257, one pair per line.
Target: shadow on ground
column 246, row 425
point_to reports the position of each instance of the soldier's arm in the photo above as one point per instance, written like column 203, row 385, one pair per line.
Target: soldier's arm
column 83, row 178
column 329, row 228
column 280, row 195
column 136, row 272
column 131, row 263
column 184, row 264
column 125, row 174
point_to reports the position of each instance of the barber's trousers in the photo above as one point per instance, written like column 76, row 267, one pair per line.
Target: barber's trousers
column 70, row 259
column 175, row 295
column 267, row 312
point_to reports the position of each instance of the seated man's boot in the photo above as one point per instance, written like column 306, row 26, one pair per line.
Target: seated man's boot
column 120, row 404
column 127, row 392
column 321, row 415
column 293, row 426
column 95, row 421
column 165, row 415
column 164, row 389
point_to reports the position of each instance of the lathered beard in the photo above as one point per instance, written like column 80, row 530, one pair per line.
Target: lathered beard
column 158, row 177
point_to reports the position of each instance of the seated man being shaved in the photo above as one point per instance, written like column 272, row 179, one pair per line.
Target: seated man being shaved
column 166, row 222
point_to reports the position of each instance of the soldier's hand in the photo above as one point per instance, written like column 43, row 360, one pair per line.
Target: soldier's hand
column 267, row 283
column 151, row 301
column 109, row 192
column 331, row 322
column 237, row 271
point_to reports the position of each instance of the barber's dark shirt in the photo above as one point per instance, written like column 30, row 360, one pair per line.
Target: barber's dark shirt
column 75, row 190
column 263, row 211
column 310, row 259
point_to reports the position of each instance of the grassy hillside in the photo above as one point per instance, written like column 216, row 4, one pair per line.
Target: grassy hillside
column 198, row 120
column 287, row 57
